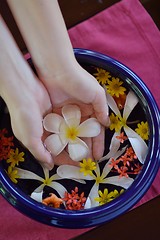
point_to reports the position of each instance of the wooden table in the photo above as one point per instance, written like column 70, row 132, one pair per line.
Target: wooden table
column 142, row 223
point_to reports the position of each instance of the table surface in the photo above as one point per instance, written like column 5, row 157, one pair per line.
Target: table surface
column 142, row 222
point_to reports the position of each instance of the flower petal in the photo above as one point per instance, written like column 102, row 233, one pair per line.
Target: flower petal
column 124, row 182
column 40, row 188
column 138, row 144
column 52, row 122
column 25, row 174
column 54, row 144
column 71, row 114
column 78, row 150
column 72, row 172
column 114, row 146
column 112, row 104
column 37, row 196
column 93, row 194
column 59, row 188
column 87, row 203
column 131, row 102
column 89, row 128
column 46, row 172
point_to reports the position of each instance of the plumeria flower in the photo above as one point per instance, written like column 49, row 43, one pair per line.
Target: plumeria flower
column 138, row 144
column 46, row 181
column 73, row 172
column 67, row 130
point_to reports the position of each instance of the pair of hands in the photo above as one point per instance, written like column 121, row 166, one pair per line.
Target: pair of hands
column 61, row 80
column 73, row 86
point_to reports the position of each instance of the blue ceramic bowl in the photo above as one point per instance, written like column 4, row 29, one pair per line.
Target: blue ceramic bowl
column 107, row 212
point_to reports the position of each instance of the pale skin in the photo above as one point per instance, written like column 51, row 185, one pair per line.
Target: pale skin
column 60, row 80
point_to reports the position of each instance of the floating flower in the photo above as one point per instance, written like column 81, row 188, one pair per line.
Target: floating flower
column 114, row 87
column 142, row 130
column 115, row 123
column 138, row 144
column 102, row 76
column 105, row 197
column 68, row 130
column 52, row 201
column 122, row 137
column 120, row 101
column 73, row 200
column 87, row 166
column 14, row 157
column 5, row 144
column 13, row 174
column 73, row 172
column 46, row 181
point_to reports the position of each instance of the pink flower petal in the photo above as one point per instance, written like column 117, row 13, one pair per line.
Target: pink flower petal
column 89, row 128
column 54, row 144
column 72, row 115
column 52, row 122
column 78, row 151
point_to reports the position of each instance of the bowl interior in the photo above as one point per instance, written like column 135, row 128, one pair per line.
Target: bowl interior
column 126, row 175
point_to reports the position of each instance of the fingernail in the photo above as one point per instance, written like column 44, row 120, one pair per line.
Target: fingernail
column 108, row 122
column 48, row 166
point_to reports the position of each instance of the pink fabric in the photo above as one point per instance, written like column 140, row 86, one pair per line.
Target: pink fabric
column 126, row 32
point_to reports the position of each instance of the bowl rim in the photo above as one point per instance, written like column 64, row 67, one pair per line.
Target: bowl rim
column 98, row 215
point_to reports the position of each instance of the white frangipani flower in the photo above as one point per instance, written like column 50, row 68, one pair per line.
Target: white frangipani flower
column 138, row 144
column 46, row 181
column 67, row 129
column 73, row 172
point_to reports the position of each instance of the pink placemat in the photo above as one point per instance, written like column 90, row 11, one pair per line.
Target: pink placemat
column 126, row 32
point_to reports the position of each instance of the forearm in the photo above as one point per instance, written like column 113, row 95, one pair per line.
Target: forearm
column 43, row 28
column 14, row 71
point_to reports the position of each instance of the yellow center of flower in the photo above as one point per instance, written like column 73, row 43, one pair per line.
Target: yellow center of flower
column 71, row 133
column 87, row 166
column 99, row 180
column 47, row 181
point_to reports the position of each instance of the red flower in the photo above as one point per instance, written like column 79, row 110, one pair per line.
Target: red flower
column 73, row 200
column 5, row 144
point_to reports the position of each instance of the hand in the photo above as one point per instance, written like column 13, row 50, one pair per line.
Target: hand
column 78, row 87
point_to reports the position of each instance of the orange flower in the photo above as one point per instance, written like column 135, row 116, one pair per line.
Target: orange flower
column 5, row 144
column 120, row 101
column 52, row 201
column 74, row 201
column 122, row 137
column 123, row 171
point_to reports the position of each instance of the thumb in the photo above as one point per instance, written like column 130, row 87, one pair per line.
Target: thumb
column 100, row 107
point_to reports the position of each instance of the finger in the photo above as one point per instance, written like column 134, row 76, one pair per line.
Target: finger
column 101, row 107
column 41, row 154
column 88, row 141
column 99, row 144
column 64, row 159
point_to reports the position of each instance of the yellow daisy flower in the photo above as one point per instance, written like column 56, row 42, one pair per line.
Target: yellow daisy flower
column 15, row 157
column 87, row 166
column 12, row 174
column 142, row 130
column 105, row 197
column 102, row 76
column 114, row 87
column 115, row 123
